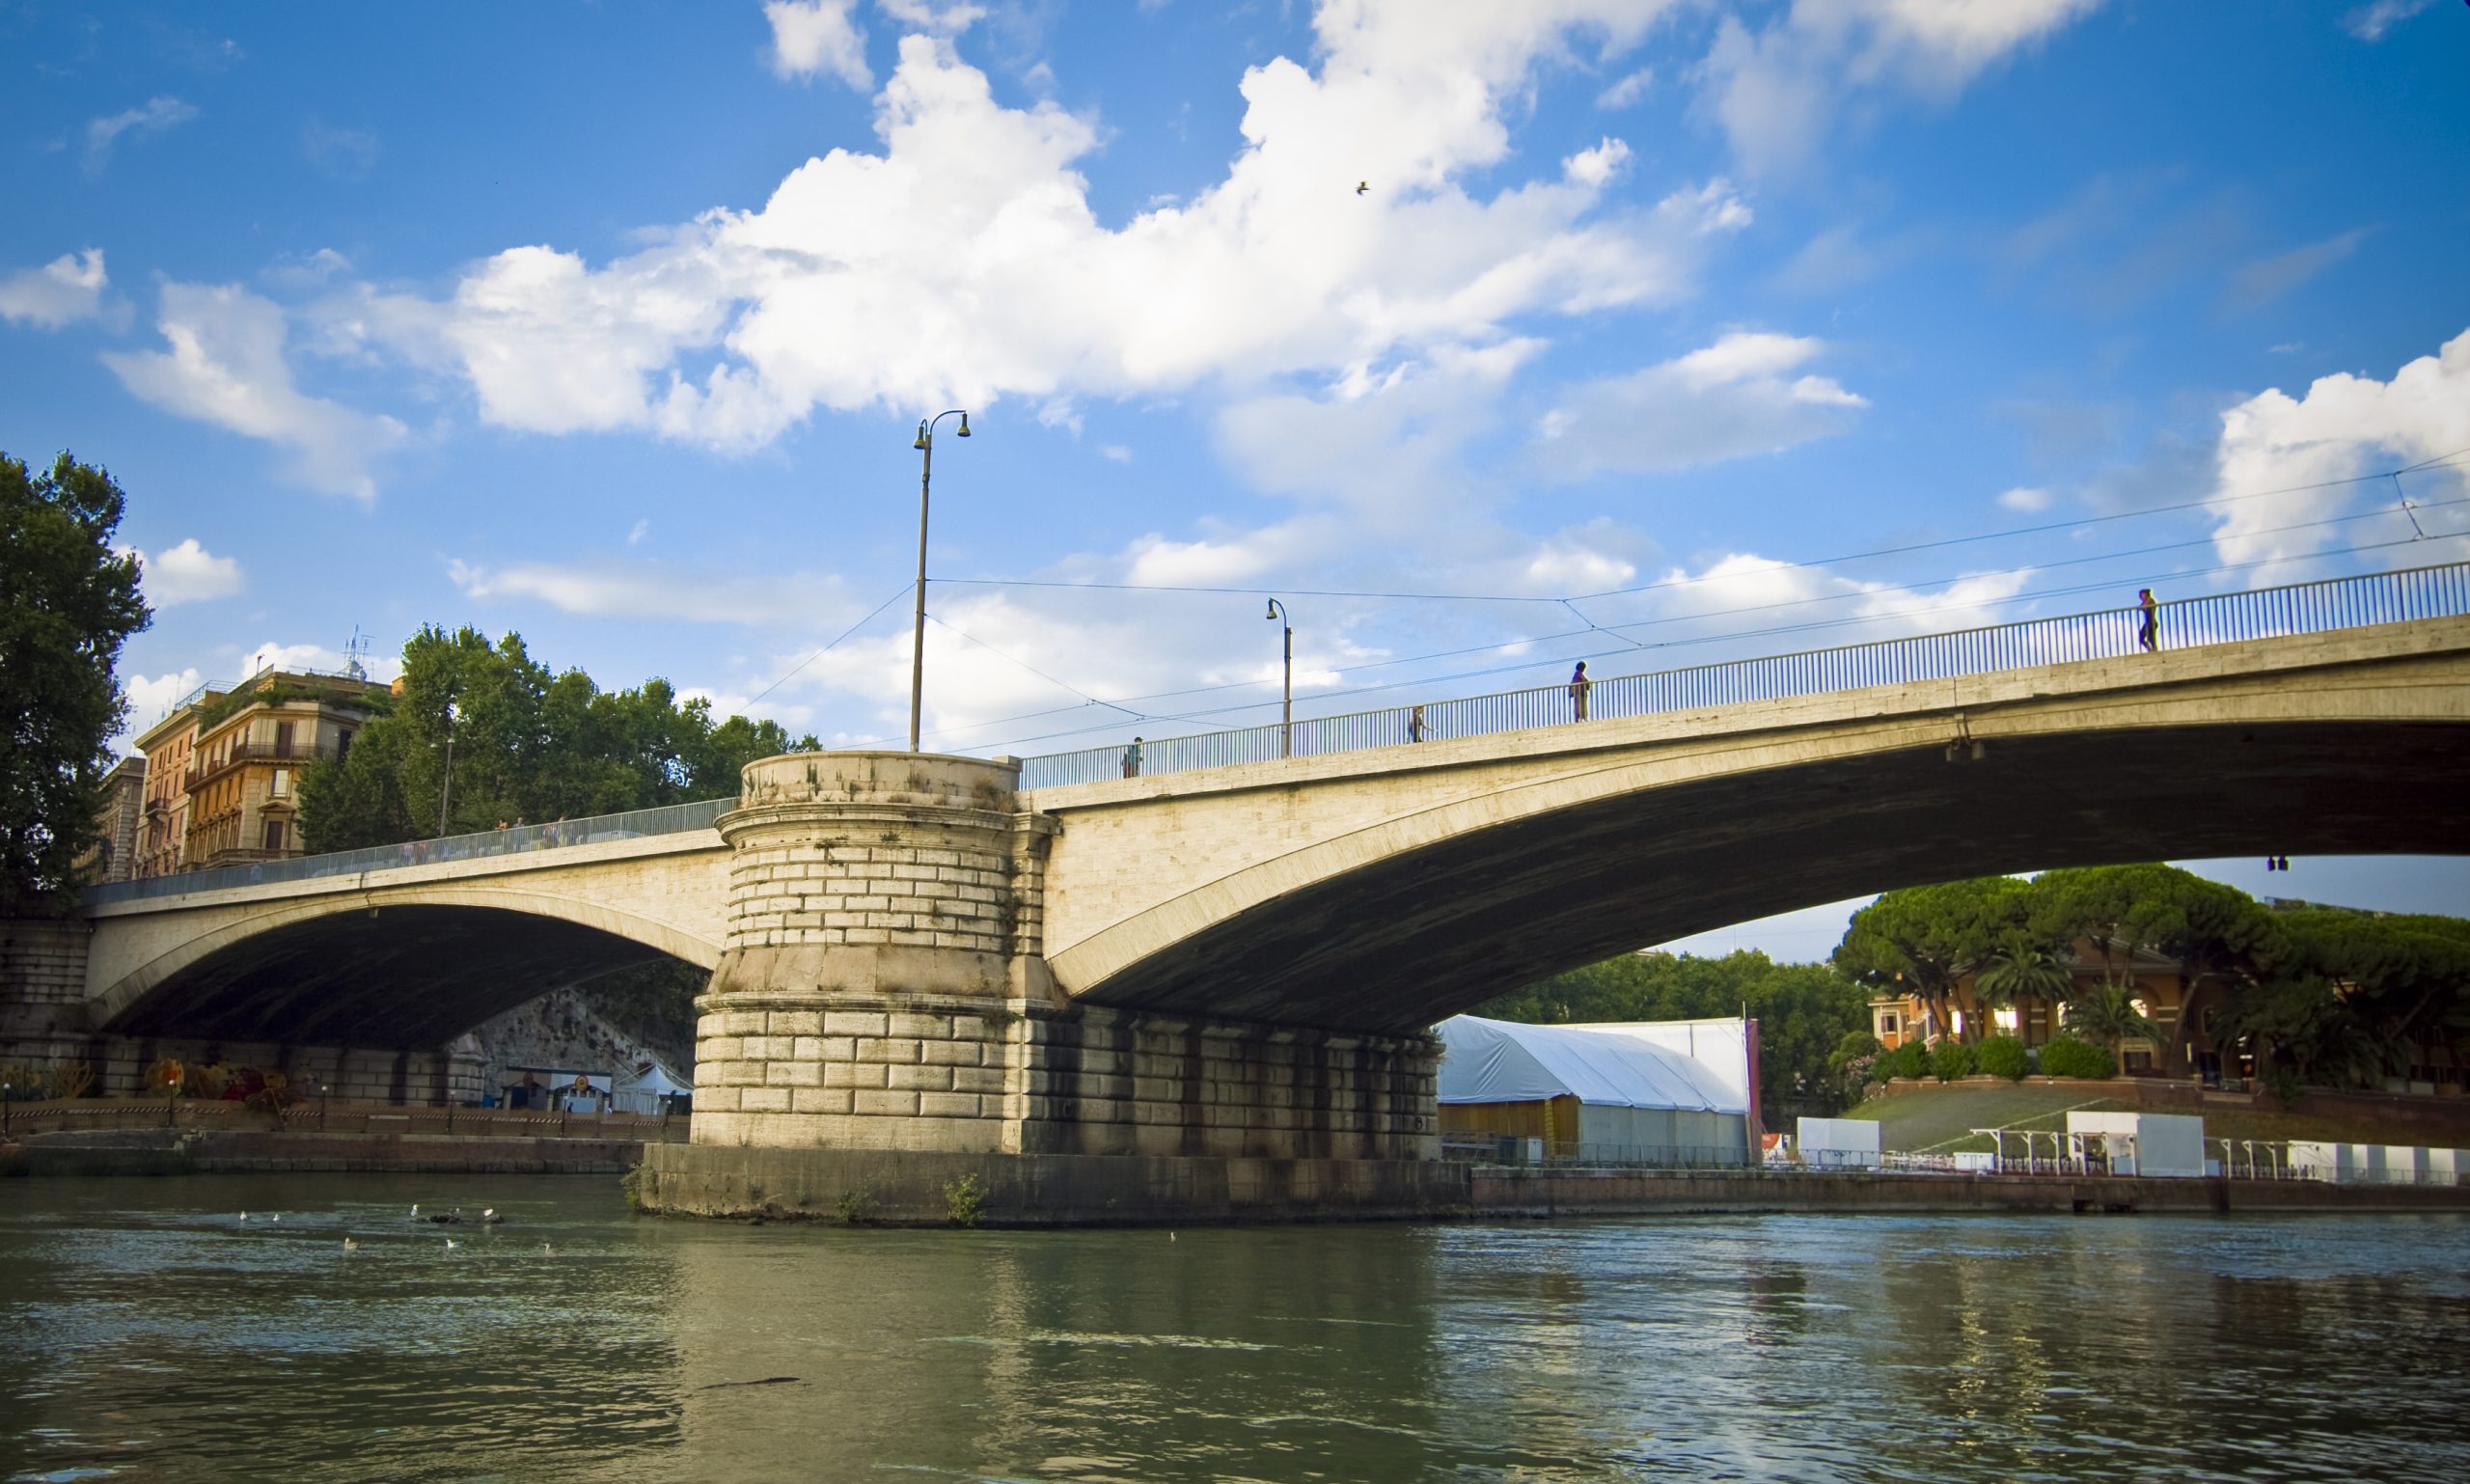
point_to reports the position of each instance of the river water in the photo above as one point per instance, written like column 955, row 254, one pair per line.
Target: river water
column 147, row 1333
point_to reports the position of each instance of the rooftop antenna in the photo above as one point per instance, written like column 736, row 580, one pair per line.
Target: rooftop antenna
column 353, row 650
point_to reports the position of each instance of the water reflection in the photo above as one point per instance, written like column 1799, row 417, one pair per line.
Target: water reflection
column 152, row 1334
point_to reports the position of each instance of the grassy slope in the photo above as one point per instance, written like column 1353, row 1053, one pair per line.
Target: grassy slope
column 1940, row 1120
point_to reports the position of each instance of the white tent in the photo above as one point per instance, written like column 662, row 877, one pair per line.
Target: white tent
column 646, row 1089
column 1642, row 1094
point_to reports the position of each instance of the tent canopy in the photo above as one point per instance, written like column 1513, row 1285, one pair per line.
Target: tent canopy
column 650, row 1078
column 1612, row 1065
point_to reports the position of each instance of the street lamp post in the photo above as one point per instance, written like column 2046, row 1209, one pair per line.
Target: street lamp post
column 925, row 447
column 446, row 780
column 323, row 1090
column 1286, row 712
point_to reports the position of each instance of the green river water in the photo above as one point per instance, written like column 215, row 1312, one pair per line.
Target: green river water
column 147, row 1333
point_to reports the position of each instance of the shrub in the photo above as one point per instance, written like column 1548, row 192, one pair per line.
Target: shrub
column 1950, row 1059
column 2002, row 1056
column 1910, row 1060
column 2282, row 1083
column 2067, row 1057
column 963, row 1199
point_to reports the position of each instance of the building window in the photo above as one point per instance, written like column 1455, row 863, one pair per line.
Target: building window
column 282, row 739
column 1889, row 1023
column 1956, row 1022
column 2007, row 1020
column 342, row 744
column 282, row 782
column 274, row 835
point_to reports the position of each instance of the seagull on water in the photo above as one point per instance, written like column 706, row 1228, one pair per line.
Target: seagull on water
column 490, row 1217
column 450, row 1244
column 416, row 1210
column 244, row 1215
column 349, row 1245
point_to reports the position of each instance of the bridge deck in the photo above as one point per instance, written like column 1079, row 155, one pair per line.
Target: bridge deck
column 2329, row 605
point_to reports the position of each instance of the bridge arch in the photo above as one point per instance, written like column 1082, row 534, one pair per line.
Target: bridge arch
column 1417, row 916
column 410, row 965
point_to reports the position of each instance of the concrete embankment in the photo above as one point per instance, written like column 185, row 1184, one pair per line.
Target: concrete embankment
column 897, row 1188
column 200, row 1151
column 1549, row 1193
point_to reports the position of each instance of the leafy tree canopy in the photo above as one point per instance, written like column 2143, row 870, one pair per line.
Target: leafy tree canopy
column 67, row 601
column 1804, row 1011
column 526, row 744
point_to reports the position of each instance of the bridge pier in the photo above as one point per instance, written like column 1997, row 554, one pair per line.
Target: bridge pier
column 882, row 989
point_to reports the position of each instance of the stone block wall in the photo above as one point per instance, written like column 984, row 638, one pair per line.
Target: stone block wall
column 915, row 1074
column 43, row 963
column 1019, row 1078
column 1095, row 1080
column 884, row 987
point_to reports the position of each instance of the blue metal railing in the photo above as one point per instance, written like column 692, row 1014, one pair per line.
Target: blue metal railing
column 667, row 819
column 2264, row 613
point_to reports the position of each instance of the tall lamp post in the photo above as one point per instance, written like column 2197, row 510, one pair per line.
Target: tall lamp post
column 925, row 447
column 446, row 780
column 1277, row 614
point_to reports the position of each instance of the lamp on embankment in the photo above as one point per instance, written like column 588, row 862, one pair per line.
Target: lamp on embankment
column 446, row 778
column 925, row 447
column 1287, row 711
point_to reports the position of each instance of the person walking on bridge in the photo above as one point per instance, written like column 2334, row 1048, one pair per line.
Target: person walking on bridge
column 1132, row 759
column 1579, row 685
column 2148, row 633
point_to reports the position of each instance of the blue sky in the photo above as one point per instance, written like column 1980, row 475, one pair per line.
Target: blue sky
column 611, row 324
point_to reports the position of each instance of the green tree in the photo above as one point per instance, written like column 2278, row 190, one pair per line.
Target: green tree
column 2105, row 1014
column 525, row 744
column 2023, row 967
column 2216, row 935
column 67, row 601
column 1922, row 940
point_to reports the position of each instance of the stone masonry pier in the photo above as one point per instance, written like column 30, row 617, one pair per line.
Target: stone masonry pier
column 883, row 988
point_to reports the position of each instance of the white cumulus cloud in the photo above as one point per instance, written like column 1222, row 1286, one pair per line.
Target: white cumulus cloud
column 2342, row 426
column 226, row 367
column 62, row 292
column 1779, row 89
column 153, row 117
column 189, row 573
column 817, row 36
column 963, row 262
column 1746, row 394
column 2369, row 22
column 650, row 590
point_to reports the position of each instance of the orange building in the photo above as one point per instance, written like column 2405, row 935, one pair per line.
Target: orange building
column 245, row 762
column 163, row 824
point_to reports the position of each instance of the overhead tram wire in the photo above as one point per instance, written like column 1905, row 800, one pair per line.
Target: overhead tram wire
column 2450, row 460
column 820, row 653
column 1615, row 630
column 1709, row 639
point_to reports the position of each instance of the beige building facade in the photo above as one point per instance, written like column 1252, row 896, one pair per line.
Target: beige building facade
column 222, row 772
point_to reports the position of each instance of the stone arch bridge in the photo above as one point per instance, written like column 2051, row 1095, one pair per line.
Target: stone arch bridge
column 916, row 953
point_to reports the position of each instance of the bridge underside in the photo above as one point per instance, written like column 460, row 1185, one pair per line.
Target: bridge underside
column 1419, row 936
column 408, row 976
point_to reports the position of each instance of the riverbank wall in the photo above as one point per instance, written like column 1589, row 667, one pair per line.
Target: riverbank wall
column 232, row 1151
column 928, row 1190
column 894, row 1188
